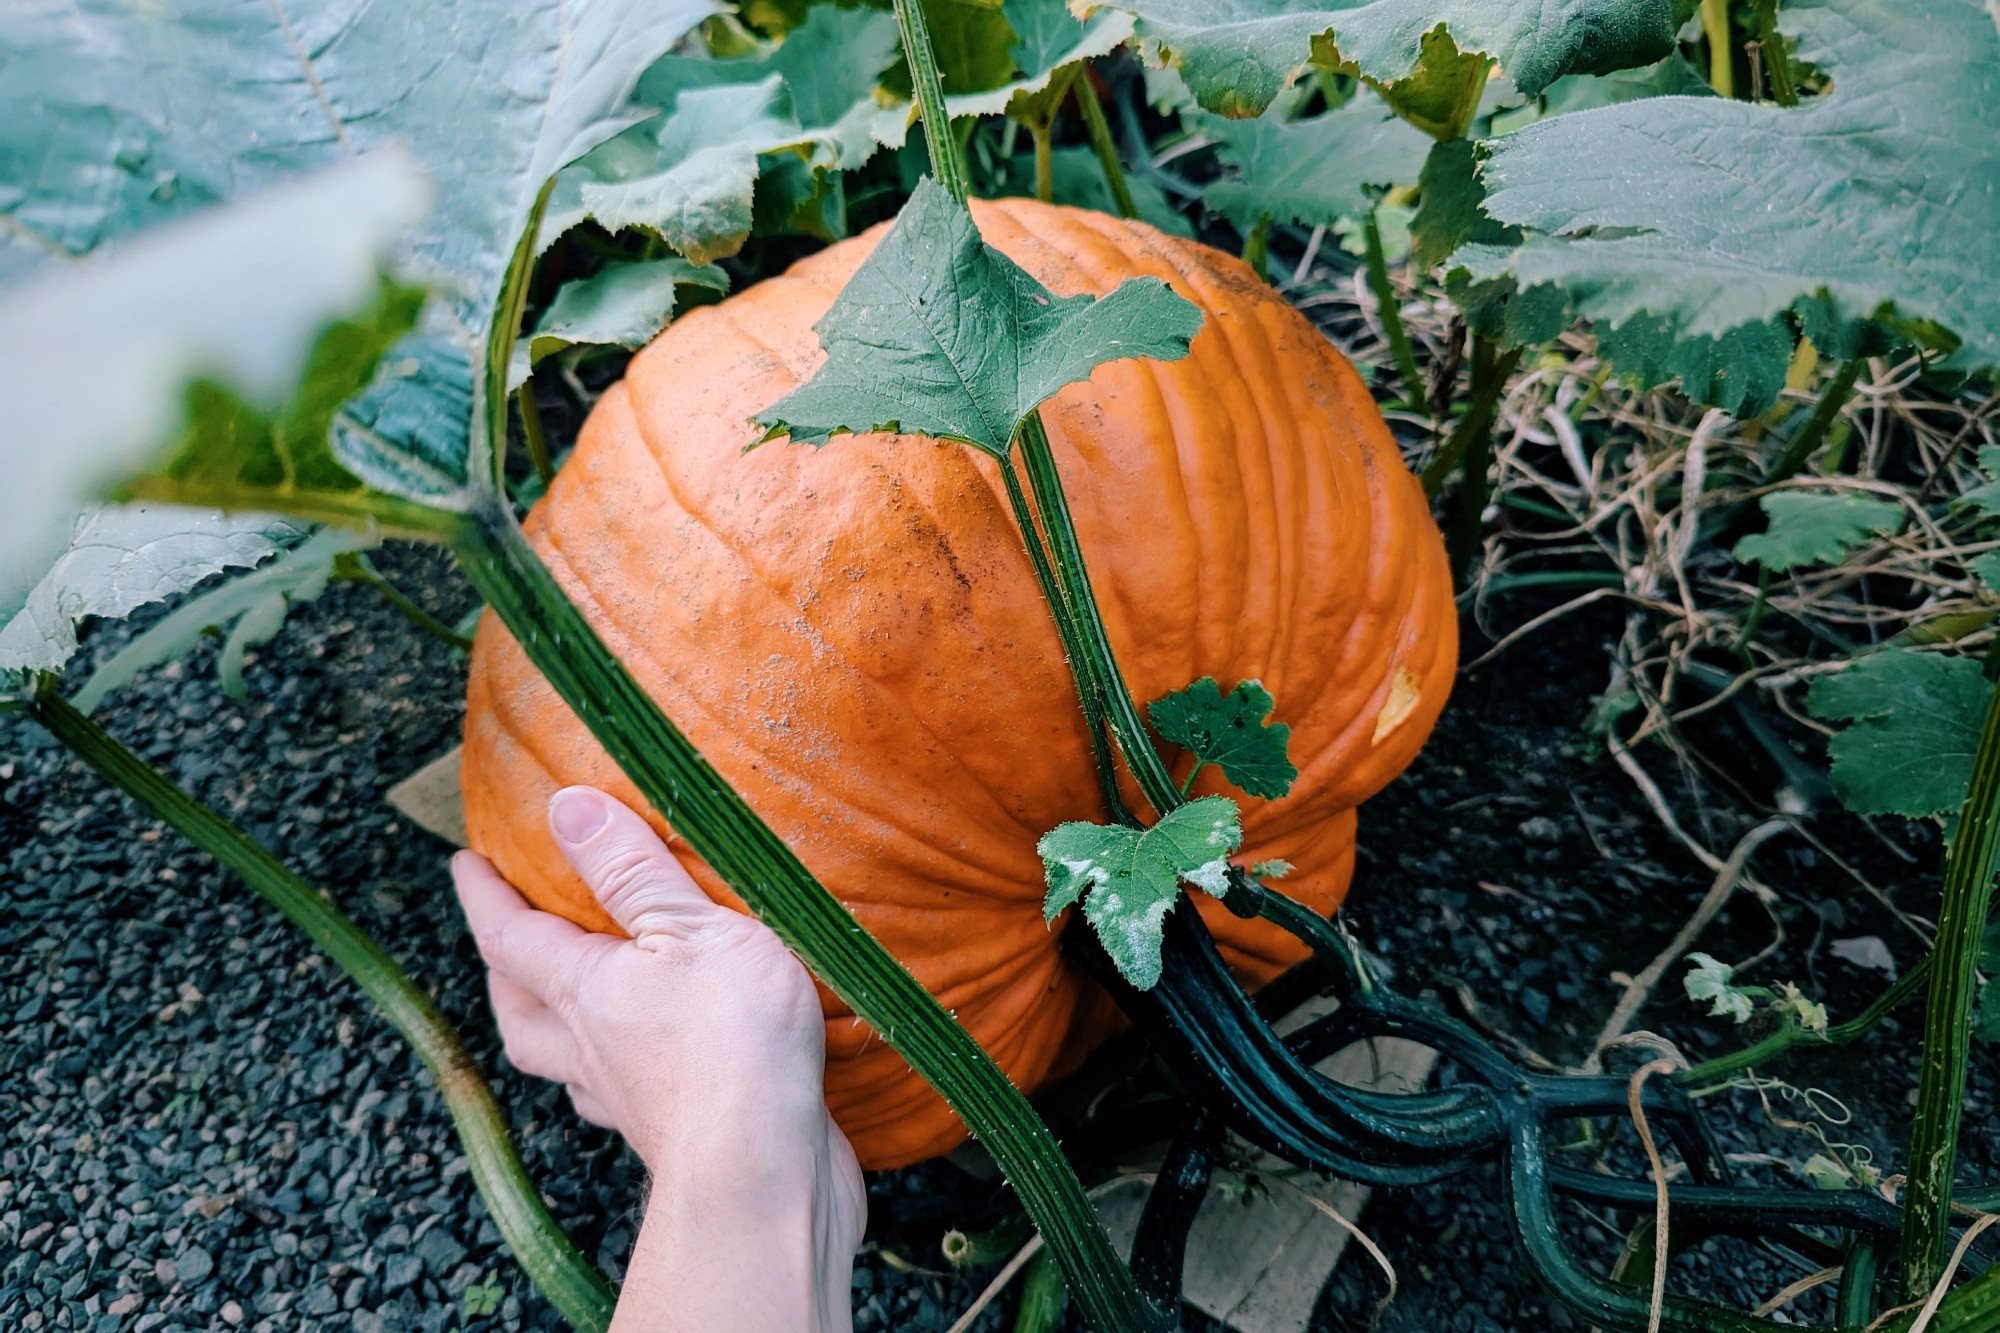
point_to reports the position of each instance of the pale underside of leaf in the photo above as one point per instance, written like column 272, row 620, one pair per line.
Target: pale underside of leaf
column 122, row 557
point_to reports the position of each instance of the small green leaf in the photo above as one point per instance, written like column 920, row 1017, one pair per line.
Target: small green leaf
column 939, row 334
column 625, row 305
column 1315, row 171
column 1803, row 1010
column 1273, row 869
column 1714, row 983
column 1229, row 730
column 1823, row 1172
column 1811, row 528
column 1133, row 876
column 1915, row 727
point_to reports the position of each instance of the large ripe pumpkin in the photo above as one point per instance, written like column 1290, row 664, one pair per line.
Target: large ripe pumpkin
column 854, row 637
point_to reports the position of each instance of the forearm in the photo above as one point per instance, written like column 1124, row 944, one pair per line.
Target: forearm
column 742, row 1253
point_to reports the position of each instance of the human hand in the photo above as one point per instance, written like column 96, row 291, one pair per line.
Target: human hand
column 700, row 1039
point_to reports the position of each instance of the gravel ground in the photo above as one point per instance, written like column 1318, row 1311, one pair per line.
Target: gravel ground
column 208, row 1129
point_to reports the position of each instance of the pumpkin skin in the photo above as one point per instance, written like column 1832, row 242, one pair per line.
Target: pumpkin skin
column 854, row 637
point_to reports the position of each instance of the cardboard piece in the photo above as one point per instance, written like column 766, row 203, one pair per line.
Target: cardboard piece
column 430, row 798
column 1258, row 1262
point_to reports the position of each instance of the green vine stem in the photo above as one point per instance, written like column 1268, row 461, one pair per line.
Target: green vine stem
column 724, row 831
column 1831, row 399
column 569, row 1280
column 1389, row 309
column 1477, row 421
column 1043, row 1296
column 1257, row 248
column 1099, row 129
column 1089, row 692
column 1080, row 604
column 1790, row 1034
column 947, row 158
column 1777, row 65
column 1968, row 895
column 1721, row 49
column 532, row 432
column 355, row 567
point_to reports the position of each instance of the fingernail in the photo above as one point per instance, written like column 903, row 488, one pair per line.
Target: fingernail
column 576, row 814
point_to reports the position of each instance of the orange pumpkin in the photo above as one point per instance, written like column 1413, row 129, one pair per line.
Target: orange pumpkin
column 854, row 637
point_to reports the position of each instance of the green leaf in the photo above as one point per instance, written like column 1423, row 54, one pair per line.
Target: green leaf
column 1047, row 38
column 939, row 334
column 250, row 608
column 1315, row 171
column 96, row 358
column 1238, row 55
column 624, row 305
column 1881, row 197
column 1079, row 181
column 1132, row 877
column 1229, row 730
column 1815, row 528
column 1450, row 210
column 1915, row 726
column 122, row 557
column 688, row 175
column 1986, row 568
column 142, row 112
column 1711, row 982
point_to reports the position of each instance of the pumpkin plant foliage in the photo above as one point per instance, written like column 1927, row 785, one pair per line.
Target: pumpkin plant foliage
column 1129, row 879
column 1913, row 728
column 1238, row 55
column 1317, row 170
column 1815, row 529
column 1230, row 731
column 939, row 334
column 1725, row 223
column 275, row 306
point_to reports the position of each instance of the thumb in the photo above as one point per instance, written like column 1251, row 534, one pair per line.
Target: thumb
column 641, row 885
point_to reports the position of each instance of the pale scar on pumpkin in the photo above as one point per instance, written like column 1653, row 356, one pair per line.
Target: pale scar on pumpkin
column 1404, row 692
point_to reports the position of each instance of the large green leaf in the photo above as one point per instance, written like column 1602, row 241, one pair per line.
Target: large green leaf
column 1708, row 216
column 1316, row 171
column 131, row 114
column 1133, row 876
column 1238, row 55
column 939, row 334
column 271, row 304
column 1915, row 728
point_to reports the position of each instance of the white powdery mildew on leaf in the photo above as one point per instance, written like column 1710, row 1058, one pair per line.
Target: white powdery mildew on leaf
column 1213, row 876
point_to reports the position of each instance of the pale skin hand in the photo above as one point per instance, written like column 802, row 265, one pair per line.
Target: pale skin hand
column 700, row 1040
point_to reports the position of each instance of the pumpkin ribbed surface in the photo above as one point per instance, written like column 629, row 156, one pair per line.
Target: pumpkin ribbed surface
column 854, row 637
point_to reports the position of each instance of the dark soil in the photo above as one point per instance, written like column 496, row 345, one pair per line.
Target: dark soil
column 207, row 1128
